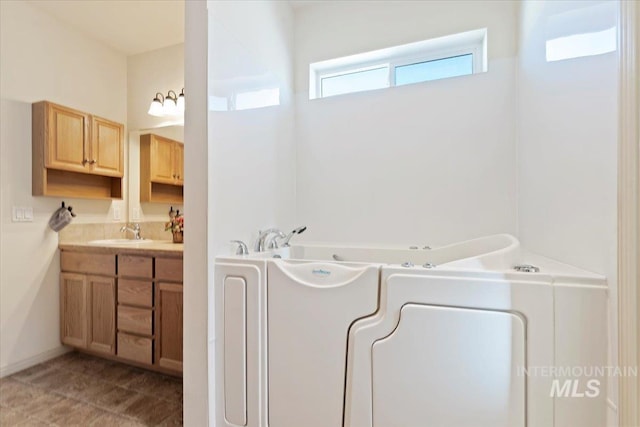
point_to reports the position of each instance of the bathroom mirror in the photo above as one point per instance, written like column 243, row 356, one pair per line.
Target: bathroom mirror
column 143, row 211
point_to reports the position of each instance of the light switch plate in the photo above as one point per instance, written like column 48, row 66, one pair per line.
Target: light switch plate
column 16, row 214
column 116, row 213
column 21, row 214
column 135, row 214
column 28, row 214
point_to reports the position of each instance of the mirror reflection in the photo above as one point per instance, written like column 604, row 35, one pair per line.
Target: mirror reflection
column 156, row 172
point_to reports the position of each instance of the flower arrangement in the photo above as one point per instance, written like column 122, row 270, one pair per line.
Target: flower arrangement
column 175, row 225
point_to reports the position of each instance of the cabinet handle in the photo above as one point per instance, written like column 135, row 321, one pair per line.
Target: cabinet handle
column 85, row 161
column 92, row 162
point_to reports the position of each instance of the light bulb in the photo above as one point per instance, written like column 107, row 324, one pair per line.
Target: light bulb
column 155, row 109
column 170, row 106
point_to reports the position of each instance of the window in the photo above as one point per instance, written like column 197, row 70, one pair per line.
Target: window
column 450, row 56
column 435, row 69
column 354, row 81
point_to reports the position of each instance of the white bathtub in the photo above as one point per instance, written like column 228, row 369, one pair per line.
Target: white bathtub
column 388, row 337
column 483, row 250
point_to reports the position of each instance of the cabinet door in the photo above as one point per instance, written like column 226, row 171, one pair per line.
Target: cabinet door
column 162, row 154
column 68, row 137
column 178, row 163
column 73, row 309
column 106, row 147
column 102, row 321
column 169, row 325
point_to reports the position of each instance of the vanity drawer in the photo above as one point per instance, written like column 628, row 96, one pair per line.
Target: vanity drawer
column 135, row 320
column 135, row 266
column 169, row 269
column 135, row 292
column 81, row 262
column 135, row 348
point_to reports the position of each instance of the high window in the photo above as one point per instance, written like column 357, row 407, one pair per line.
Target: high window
column 450, row 56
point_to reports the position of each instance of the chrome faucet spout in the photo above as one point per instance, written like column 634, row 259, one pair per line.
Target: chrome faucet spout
column 271, row 242
column 135, row 230
column 263, row 238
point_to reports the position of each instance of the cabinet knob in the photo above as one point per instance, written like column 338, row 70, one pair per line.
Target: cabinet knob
column 85, row 161
column 174, row 175
column 92, row 162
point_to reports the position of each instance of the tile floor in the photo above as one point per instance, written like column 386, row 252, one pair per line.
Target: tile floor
column 81, row 390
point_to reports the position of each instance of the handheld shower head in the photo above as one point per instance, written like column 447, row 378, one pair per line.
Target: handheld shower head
column 298, row 230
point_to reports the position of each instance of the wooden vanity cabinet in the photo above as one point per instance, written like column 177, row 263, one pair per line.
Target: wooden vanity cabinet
column 73, row 310
column 169, row 313
column 75, row 153
column 161, row 169
column 135, row 308
column 87, row 302
column 125, row 306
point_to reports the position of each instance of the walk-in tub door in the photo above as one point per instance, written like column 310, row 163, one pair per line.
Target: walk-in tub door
column 446, row 366
column 310, row 309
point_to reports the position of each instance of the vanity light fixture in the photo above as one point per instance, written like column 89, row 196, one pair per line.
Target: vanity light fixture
column 169, row 105
column 155, row 109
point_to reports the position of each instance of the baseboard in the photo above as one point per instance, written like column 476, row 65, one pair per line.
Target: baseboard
column 34, row 360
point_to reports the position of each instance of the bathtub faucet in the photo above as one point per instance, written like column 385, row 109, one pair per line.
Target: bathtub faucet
column 267, row 239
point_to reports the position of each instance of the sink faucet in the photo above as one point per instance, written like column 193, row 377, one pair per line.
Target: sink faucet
column 135, row 230
column 265, row 240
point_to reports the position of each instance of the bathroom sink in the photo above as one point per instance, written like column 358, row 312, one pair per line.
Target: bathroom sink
column 119, row 242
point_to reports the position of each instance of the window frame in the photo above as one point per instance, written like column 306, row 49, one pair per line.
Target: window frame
column 471, row 42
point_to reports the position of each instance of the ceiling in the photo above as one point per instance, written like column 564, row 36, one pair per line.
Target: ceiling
column 130, row 27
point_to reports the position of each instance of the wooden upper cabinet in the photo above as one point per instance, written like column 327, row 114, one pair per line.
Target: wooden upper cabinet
column 162, row 160
column 75, row 154
column 178, row 162
column 107, row 153
column 161, row 169
column 66, row 134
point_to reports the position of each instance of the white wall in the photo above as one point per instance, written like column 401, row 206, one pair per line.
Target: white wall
column 567, row 146
column 430, row 163
column 159, row 70
column 43, row 59
column 327, row 30
column 251, row 152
